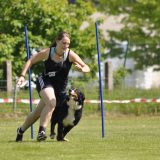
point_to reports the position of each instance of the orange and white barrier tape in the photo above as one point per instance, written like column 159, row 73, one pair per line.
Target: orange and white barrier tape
column 136, row 100
column 11, row 100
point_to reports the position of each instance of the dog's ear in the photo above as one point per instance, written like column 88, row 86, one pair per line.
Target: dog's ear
column 83, row 97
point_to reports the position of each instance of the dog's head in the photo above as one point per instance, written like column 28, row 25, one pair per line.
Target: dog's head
column 76, row 95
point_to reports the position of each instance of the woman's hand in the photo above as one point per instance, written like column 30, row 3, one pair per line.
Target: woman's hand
column 20, row 81
column 84, row 68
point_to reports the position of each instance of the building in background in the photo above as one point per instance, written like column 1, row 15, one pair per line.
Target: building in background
column 147, row 78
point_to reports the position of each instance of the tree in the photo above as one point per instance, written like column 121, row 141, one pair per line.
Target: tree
column 141, row 29
column 44, row 19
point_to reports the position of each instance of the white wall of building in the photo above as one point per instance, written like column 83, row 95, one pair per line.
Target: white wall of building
column 146, row 79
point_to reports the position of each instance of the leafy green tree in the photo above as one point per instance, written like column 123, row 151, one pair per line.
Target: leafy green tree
column 44, row 19
column 141, row 29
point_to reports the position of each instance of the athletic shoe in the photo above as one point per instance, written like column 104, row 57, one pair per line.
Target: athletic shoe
column 41, row 136
column 19, row 136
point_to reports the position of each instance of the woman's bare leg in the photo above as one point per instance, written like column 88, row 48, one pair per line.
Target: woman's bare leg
column 48, row 97
column 33, row 116
column 44, row 111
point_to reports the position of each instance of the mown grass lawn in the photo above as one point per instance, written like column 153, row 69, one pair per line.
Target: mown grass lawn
column 126, row 138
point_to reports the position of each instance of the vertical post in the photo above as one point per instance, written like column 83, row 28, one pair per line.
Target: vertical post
column 29, row 75
column 8, row 75
column 100, row 79
column 15, row 98
column 108, row 76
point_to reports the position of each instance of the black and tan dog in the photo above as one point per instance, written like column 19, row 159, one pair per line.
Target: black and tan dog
column 68, row 114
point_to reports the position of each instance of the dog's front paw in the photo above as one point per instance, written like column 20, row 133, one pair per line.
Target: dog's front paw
column 62, row 139
column 65, row 139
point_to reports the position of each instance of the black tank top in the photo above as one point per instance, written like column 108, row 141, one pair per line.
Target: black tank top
column 56, row 73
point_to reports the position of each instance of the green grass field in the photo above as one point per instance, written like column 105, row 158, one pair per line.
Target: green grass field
column 126, row 138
